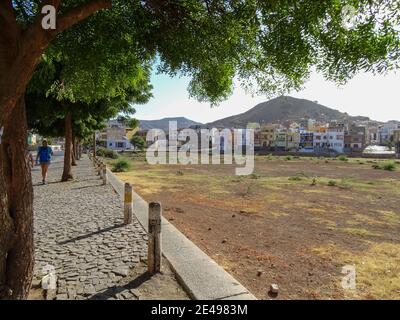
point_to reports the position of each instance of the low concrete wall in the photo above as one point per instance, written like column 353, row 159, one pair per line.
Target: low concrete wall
column 201, row 276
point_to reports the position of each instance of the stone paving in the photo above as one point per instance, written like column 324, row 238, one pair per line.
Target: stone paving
column 79, row 231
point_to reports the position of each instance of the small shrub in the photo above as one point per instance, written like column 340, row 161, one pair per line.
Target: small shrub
column 295, row 178
column 314, row 182
column 121, row 165
column 343, row 158
column 179, row 173
column 389, row 166
column 288, row 158
column 107, row 153
column 254, row 176
column 332, row 183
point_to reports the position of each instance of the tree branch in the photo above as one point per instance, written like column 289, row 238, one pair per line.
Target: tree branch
column 80, row 13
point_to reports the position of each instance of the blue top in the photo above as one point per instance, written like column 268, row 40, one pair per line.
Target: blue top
column 45, row 154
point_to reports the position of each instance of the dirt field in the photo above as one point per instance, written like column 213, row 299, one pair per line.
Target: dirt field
column 294, row 222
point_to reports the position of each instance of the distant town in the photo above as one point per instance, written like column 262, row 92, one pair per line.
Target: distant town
column 283, row 124
column 306, row 136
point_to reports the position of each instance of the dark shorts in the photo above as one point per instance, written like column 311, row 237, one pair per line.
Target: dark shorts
column 45, row 162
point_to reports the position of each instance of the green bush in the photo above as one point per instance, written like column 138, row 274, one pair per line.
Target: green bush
column 295, row 178
column 389, row 166
column 288, row 158
column 121, row 165
column 107, row 153
column 343, row 158
column 332, row 183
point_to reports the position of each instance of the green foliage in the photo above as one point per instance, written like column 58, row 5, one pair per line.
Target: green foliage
column 289, row 158
column 121, row 165
column 314, row 181
column 295, row 178
column 332, row 183
column 388, row 166
column 268, row 46
column 107, row 153
column 138, row 142
column 343, row 158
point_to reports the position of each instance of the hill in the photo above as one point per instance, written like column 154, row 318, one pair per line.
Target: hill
column 285, row 110
column 163, row 124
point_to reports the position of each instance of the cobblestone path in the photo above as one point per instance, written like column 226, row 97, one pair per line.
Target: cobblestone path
column 79, row 231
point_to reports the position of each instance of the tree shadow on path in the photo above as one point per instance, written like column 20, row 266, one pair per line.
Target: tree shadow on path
column 88, row 235
column 112, row 291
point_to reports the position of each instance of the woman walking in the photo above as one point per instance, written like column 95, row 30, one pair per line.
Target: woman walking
column 44, row 156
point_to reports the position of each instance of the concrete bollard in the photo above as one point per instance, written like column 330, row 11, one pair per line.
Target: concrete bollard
column 98, row 167
column 104, row 175
column 128, row 204
column 154, row 243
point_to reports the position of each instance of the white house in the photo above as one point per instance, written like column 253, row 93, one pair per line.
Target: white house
column 335, row 137
column 116, row 136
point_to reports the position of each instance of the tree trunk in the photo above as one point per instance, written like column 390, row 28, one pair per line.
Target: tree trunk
column 20, row 52
column 67, row 173
column 73, row 154
column 16, row 208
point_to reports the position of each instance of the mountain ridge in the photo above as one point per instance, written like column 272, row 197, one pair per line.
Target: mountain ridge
column 163, row 123
column 285, row 109
column 281, row 110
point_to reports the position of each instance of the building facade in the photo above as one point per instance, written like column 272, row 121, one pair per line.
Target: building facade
column 355, row 139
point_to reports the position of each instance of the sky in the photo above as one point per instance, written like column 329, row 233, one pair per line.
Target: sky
column 376, row 97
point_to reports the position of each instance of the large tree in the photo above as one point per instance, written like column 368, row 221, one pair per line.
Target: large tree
column 272, row 44
column 53, row 94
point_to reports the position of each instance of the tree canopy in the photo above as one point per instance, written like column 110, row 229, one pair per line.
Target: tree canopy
column 269, row 46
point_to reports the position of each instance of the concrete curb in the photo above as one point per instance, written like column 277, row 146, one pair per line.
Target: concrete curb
column 202, row 277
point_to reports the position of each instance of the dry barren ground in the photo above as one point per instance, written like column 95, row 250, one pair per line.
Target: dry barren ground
column 295, row 222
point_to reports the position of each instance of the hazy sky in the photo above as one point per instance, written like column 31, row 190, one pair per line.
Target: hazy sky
column 376, row 97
